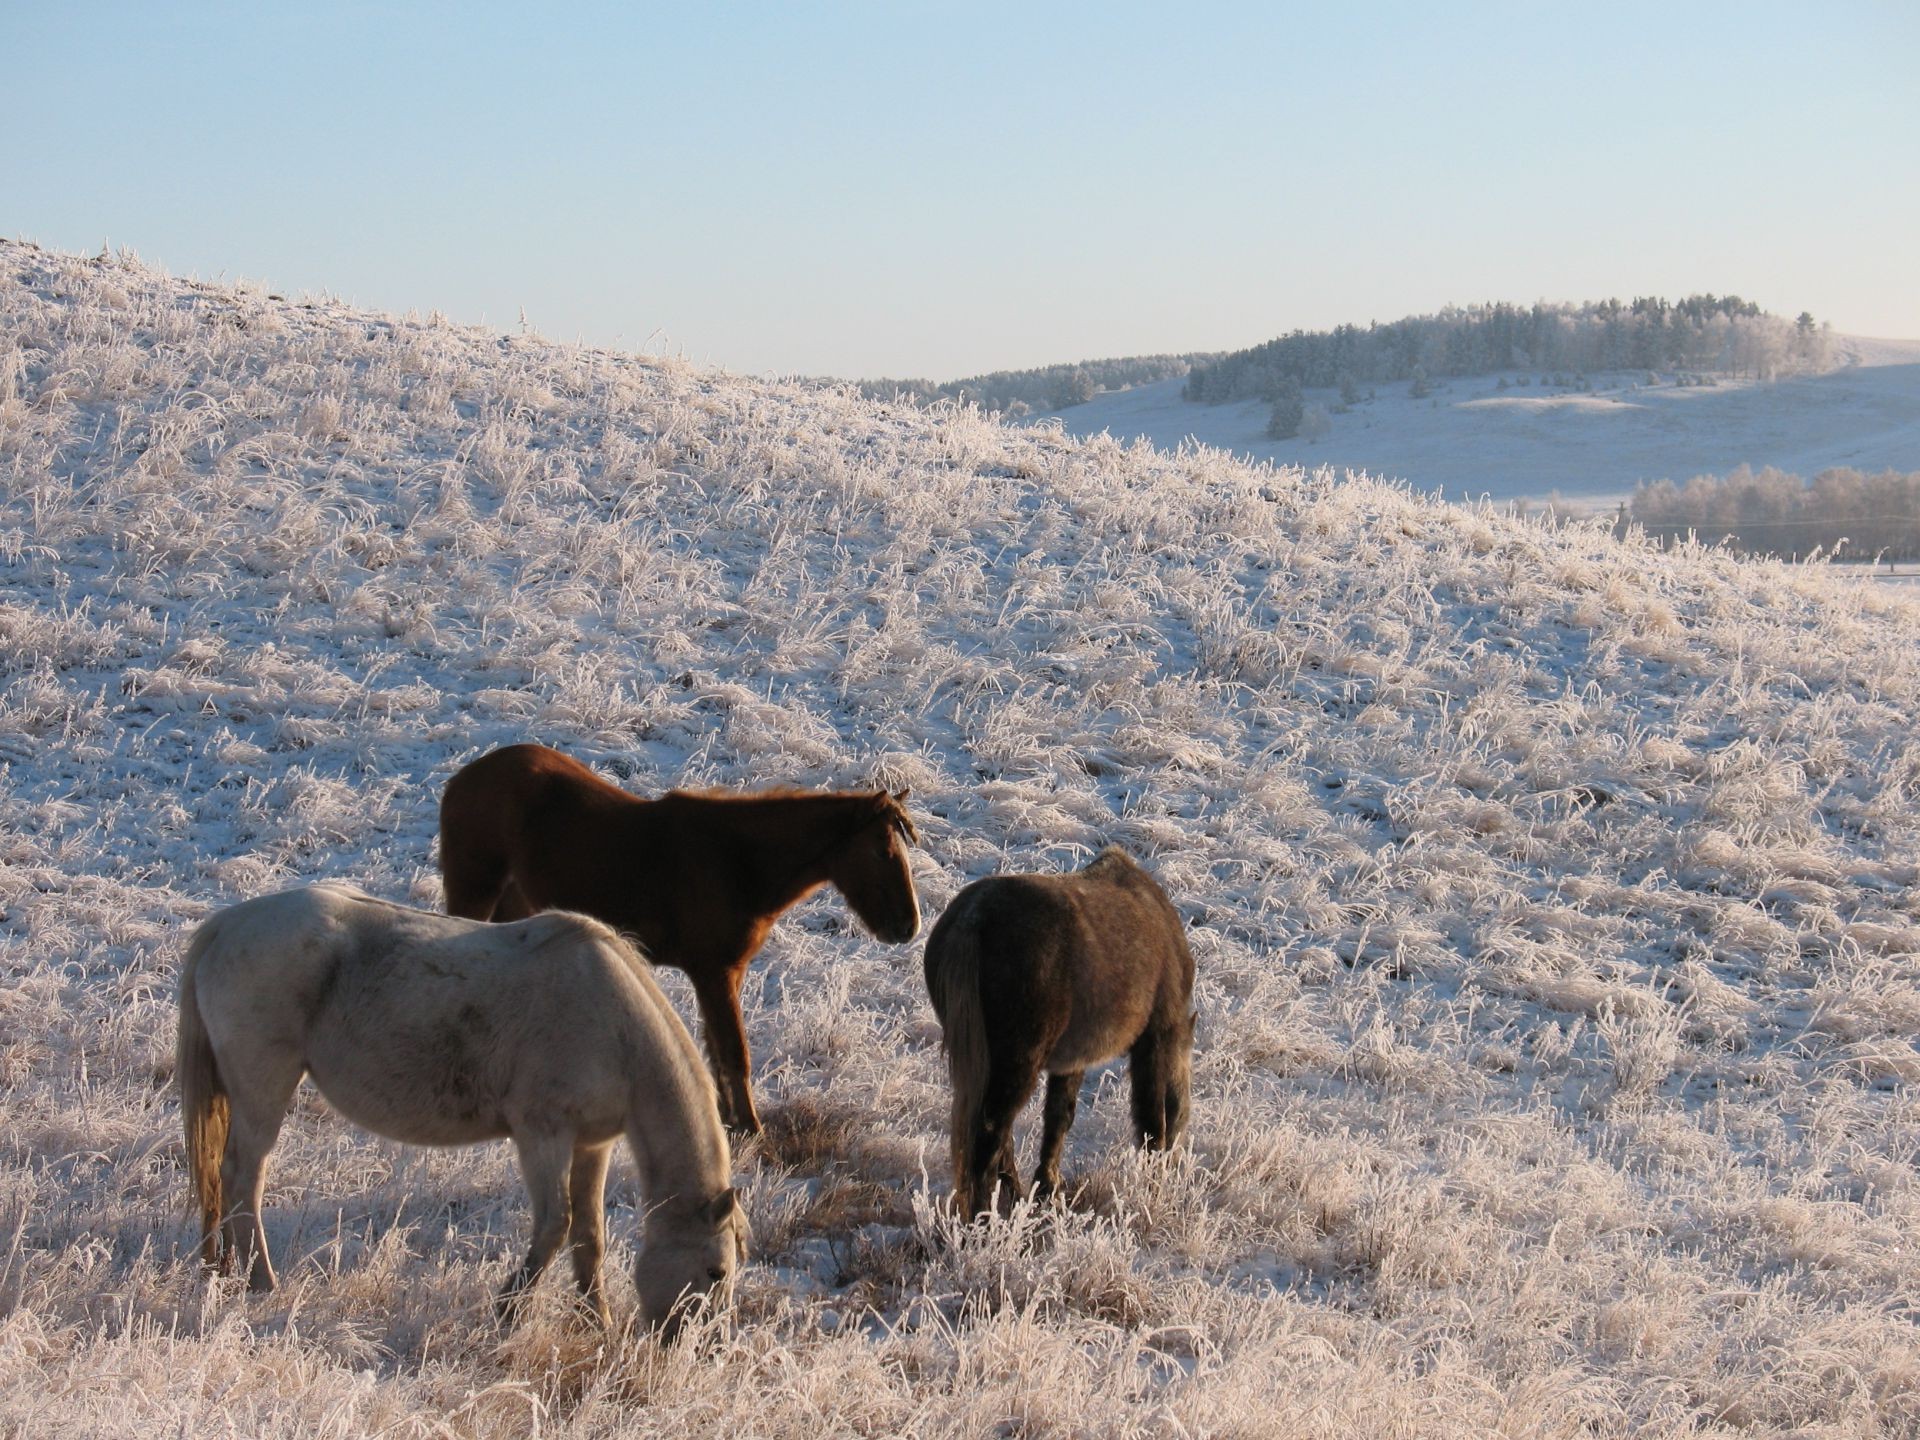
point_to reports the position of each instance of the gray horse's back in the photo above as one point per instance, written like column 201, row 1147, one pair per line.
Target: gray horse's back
column 1093, row 956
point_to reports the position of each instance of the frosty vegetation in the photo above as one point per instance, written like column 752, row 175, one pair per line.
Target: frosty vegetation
column 1840, row 512
column 1554, row 899
column 1700, row 333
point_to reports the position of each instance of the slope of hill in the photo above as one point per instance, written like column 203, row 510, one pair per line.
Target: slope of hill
column 1554, row 899
column 1473, row 438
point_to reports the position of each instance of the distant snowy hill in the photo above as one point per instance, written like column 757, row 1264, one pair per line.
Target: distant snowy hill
column 1472, row 438
column 1556, row 900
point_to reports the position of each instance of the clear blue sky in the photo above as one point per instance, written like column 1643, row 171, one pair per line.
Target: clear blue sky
column 928, row 190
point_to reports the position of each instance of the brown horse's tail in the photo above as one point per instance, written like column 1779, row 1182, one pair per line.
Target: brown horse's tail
column 203, row 1100
column 953, row 981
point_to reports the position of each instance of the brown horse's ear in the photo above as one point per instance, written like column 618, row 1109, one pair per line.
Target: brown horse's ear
column 897, row 802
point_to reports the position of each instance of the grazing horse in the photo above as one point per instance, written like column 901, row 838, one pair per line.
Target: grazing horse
column 698, row 879
column 438, row 1031
column 1056, row 973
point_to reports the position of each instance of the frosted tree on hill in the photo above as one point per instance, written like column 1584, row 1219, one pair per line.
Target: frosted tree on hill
column 1288, row 410
column 1073, row 388
column 1808, row 346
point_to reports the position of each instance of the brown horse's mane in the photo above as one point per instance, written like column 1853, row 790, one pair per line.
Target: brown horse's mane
column 770, row 792
column 754, row 805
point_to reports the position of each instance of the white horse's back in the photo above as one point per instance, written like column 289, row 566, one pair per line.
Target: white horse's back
column 432, row 1029
column 436, row 1030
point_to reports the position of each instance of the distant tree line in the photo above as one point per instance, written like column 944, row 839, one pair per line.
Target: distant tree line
column 1841, row 512
column 1051, row 387
column 1700, row 333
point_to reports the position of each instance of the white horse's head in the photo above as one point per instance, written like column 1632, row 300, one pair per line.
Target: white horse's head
column 688, row 1259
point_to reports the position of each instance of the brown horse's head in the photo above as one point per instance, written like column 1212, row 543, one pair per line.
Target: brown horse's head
column 872, row 872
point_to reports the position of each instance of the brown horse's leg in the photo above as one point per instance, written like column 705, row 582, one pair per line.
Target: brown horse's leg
column 544, row 1164
column 1063, row 1096
column 513, row 903
column 726, row 1034
column 587, row 1188
column 471, row 876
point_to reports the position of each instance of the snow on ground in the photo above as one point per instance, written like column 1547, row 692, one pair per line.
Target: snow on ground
column 1470, row 438
column 1554, row 899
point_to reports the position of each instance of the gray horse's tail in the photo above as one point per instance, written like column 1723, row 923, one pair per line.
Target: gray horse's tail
column 203, row 1101
column 953, row 980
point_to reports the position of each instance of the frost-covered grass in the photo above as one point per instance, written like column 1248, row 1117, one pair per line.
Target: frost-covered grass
column 1554, row 899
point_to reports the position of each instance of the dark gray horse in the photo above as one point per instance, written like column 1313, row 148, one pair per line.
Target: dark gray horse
column 1056, row 973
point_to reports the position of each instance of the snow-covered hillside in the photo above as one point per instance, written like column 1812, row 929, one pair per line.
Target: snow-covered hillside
column 1474, row 437
column 1554, row 900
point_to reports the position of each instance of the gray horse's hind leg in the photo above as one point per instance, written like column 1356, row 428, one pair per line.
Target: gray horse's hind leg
column 544, row 1163
column 1179, row 1102
column 587, row 1186
column 257, row 1106
column 1176, row 1069
column 1063, row 1096
column 1008, row 1086
column 1150, row 1067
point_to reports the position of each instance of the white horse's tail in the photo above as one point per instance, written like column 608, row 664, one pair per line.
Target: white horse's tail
column 203, row 1101
column 953, row 978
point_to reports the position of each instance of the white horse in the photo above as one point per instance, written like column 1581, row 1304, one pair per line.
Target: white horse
column 438, row 1031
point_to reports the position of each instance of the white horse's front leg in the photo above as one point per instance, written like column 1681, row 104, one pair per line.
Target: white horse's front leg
column 544, row 1163
column 588, row 1186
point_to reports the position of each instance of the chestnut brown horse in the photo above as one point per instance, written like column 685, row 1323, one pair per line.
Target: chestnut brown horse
column 697, row 878
column 1056, row 973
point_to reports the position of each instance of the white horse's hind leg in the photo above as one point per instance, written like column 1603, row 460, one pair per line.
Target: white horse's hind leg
column 544, row 1163
column 588, row 1188
column 257, row 1106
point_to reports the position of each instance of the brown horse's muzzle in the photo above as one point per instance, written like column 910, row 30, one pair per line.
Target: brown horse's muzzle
column 900, row 928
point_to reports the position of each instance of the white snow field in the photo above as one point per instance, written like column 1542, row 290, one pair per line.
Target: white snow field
column 1470, row 438
column 1554, row 900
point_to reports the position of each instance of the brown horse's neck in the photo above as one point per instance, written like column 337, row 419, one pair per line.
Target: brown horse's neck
column 785, row 843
